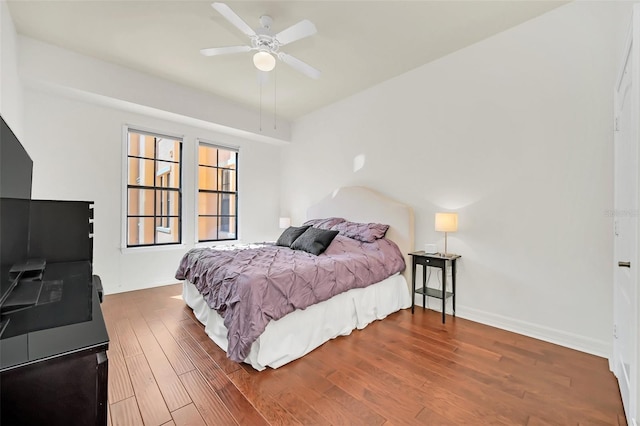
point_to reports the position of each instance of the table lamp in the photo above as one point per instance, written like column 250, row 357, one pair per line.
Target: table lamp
column 285, row 222
column 446, row 222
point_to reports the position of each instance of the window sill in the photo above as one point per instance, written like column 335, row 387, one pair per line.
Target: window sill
column 147, row 249
column 204, row 244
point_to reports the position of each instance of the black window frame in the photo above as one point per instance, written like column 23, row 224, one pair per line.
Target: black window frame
column 158, row 191
column 219, row 191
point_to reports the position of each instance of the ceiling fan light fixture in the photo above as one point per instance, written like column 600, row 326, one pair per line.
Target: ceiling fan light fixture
column 264, row 61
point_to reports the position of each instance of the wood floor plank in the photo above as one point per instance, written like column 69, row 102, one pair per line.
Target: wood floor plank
column 581, row 413
column 537, row 421
column 405, row 370
column 126, row 413
column 220, row 357
column 108, row 414
column 384, row 403
column 336, row 413
column 196, row 331
column 150, row 401
column 357, row 407
column 204, row 364
column 300, row 409
column 269, row 407
column 245, row 413
column 449, row 394
column 126, row 336
column 187, row 416
column 209, row 405
column 176, row 356
column 174, row 394
column 176, row 329
column 119, row 383
column 486, row 397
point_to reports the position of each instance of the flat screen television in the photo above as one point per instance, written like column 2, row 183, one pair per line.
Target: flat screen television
column 16, row 168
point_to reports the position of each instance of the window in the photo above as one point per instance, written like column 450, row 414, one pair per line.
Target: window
column 154, row 189
column 217, row 193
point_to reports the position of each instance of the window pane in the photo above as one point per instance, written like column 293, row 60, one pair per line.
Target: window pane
column 227, row 179
column 167, row 203
column 140, row 172
column 140, row 202
column 226, row 158
column 167, row 230
column 140, row 230
column 167, row 175
column 207, row 178
column 207, row 155
column 207, row 228
column 227, row 204
column 141, row 145
column 227, row 228
column 174, row 202
column 168, row 149
column 207, row 203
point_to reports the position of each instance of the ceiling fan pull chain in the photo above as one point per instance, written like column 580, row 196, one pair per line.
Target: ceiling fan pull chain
column 275, row 92
column 260, row 104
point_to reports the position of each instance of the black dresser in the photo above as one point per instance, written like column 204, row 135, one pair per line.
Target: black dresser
column 53, row 339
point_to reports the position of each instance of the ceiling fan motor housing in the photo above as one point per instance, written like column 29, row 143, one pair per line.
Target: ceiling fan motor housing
column 264, row 39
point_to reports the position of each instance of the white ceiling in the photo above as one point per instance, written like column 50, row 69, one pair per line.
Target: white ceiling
column 358, row 44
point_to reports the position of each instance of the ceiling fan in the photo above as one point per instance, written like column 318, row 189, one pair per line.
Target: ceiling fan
column 266, row 42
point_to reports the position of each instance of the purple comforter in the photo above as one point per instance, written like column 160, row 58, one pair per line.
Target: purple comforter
column 249, row 287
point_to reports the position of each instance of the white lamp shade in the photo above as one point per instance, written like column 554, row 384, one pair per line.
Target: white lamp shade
column 264, row 61
column 285, row 222
column 446, row 222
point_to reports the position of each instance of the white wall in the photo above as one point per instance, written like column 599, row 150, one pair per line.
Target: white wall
column 43, row 65
column 10, row 84
column 514, row 133
column 77, row 150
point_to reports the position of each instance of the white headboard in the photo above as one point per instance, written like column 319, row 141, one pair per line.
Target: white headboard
column 360, row 204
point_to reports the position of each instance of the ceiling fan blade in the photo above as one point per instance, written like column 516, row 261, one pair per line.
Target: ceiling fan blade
column 302, row 29
column 298, row 65
column 213, row 51
column 232, row 17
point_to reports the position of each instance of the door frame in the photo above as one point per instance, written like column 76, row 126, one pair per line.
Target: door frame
column 631, row 53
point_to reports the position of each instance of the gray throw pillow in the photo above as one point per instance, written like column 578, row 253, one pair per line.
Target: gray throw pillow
column 290, row 234
column 314, row 240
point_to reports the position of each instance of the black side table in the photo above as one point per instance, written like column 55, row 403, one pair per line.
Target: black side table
column 436, row 260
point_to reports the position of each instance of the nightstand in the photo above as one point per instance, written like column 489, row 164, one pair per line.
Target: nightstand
column 436, row 260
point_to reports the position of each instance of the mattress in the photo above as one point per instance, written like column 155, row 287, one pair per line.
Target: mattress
column 301, row 331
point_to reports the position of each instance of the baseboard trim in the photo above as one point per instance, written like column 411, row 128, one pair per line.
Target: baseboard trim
column 551, row 335
column 141, row 286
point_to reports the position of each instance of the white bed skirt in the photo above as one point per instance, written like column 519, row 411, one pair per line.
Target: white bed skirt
column 301, row 331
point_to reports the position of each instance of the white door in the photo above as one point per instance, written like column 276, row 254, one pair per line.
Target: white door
column 626, row 217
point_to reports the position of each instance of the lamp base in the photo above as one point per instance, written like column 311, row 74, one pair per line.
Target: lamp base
column 430, row 249
column 447, row 255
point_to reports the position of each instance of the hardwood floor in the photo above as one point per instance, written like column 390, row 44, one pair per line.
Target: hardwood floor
column 406, row 369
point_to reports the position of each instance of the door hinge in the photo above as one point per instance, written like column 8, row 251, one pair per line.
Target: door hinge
column 615, row 331
column 616, row 127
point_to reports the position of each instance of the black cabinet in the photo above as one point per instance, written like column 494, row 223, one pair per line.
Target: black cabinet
column 61, row 385
column 53, row 362
column 53, row 339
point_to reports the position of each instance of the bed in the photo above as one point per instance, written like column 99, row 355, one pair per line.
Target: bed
column 303, row 330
